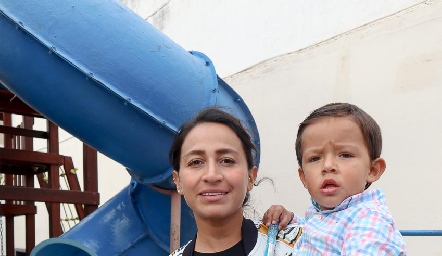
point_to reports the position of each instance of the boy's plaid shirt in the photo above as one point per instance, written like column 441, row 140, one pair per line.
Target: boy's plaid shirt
column 360, row 225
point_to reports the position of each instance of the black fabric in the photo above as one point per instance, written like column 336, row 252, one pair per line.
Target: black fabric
column 249, row 234
column 237, row 250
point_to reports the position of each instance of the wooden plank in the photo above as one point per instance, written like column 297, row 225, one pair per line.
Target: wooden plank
column 9, row 103
column 17, row 209
column 10, row 240
column 28, row 144
column 23, row 132
column 10, row 156
column 175, row 220
column 30, row 233
column 54, row 181
column 90, row 175
column 74, row 184
column 48, row 195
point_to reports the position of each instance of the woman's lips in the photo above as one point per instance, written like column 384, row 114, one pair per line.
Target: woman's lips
column 213, row 195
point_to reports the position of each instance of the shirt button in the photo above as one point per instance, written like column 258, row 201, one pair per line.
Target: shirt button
column 318, row 217
column 303, row 249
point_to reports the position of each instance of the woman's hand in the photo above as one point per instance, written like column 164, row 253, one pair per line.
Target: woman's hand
column 275, row 214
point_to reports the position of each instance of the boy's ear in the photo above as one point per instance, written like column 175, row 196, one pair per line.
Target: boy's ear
column 302, row 177
column 377, row 169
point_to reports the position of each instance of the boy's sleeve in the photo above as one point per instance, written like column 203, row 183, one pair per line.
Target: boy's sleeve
column 373, row 234
column 297, row 220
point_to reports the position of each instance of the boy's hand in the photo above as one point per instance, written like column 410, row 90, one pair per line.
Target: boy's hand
column 277, row 213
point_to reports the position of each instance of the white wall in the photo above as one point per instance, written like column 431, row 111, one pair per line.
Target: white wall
column 240, row 34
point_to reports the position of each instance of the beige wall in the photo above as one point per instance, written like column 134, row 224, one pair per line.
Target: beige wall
column 392, row 68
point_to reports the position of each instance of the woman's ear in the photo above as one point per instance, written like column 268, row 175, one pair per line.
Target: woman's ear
column 176, row 180
column 302, row 176
column 377, row 169
column 252, row 177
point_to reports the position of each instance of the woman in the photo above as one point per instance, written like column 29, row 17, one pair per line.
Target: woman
column 213, row 159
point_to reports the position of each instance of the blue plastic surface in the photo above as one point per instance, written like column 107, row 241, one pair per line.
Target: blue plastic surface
column 112, row 80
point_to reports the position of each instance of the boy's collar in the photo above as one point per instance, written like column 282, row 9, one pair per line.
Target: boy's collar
column 374, row 194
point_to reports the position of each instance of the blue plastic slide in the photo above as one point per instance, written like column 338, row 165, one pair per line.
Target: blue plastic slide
column 111, row 79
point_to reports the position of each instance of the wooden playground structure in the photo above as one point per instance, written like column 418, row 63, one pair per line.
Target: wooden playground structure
column 21, row 165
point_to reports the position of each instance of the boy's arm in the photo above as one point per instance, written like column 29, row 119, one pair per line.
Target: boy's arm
column 373, row 235
column 277, row 213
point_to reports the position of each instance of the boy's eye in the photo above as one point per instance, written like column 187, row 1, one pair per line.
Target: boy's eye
column 346, row 155
column 314, row 159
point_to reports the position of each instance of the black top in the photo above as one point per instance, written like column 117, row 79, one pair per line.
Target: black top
column 237, row 249
column 249, row 234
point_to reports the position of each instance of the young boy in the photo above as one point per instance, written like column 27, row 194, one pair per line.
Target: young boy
column 338, row 148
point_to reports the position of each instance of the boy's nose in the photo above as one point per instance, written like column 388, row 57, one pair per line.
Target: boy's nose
column 329, row 164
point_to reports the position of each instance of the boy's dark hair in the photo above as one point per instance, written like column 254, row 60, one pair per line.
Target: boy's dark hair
column 371, row 131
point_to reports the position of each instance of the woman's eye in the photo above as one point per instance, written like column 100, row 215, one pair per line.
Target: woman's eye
column 314, row 159
column 227, row 161
column 194, row 162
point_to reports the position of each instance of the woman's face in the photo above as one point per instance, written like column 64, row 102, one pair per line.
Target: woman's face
column 213, row 175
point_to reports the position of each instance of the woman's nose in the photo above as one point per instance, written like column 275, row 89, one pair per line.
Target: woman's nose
column 212, row 172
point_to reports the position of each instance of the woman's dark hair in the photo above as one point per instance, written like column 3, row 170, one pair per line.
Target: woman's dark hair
column 213, row 115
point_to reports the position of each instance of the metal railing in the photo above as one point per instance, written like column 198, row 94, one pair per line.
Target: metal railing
column 421, row 232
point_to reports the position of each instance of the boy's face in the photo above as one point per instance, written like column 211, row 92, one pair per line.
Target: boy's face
column 335, row 161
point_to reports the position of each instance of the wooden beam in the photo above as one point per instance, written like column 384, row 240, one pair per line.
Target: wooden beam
column 11, row 156
column 9, row 103
column 28, row 144
column 90, row 175
column 48, row 195
column 54, row 181
column 74, row 184
column 175, row 221
column 17, row 209
column 23, row 132
column 22, row 169
column 10, row 236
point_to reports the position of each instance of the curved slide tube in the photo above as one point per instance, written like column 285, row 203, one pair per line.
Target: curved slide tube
column 112, row 80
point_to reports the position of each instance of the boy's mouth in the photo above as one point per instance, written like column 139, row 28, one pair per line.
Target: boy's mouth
column 329, row 186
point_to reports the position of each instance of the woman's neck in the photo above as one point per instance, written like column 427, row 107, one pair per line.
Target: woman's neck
column 218, row 235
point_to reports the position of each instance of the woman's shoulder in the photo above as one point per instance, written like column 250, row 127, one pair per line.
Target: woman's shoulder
column 180, row 251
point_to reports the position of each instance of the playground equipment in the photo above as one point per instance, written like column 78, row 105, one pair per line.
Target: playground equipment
column 109, row 78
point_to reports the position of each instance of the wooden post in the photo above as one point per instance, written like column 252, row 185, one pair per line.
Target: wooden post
column 28, row 144
column 175, row 220
column 10, row 243
column 90, row 174
column 54, row 181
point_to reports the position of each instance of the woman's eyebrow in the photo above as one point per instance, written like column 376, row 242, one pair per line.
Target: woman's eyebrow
column 202, row 152
column 227, row 150
column 193, row 152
